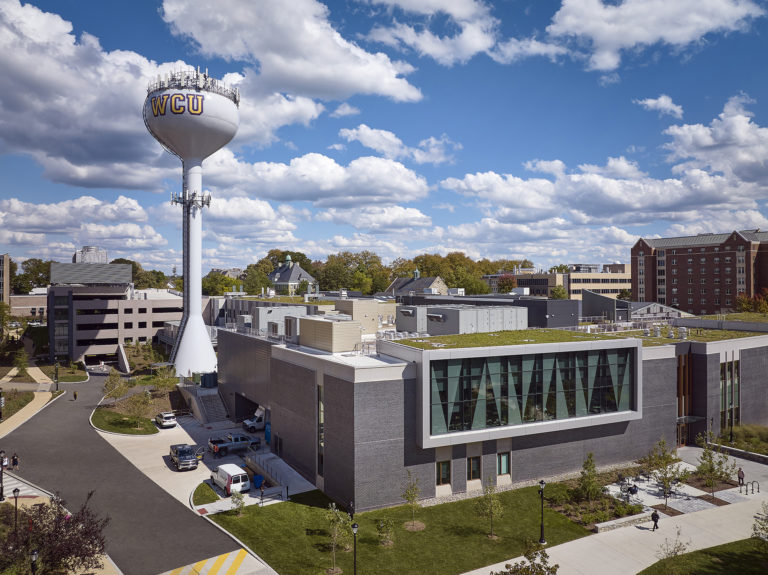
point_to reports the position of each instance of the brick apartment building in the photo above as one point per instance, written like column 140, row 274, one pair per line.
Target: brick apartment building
column 700, row 274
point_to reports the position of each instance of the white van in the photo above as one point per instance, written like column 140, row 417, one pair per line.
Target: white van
column 257, row 422
column 230, row 478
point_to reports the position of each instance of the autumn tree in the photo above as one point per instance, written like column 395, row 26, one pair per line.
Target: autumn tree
column 66, row 542
column 506, row 283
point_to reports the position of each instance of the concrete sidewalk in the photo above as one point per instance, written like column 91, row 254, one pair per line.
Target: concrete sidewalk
column 631, row 549
column 38, row 402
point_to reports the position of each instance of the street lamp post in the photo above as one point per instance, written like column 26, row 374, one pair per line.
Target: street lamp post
column 33, row 561
column 542, row 484
column 56, row 375
column 16, row 510
column 2, row 473
column 354, row 532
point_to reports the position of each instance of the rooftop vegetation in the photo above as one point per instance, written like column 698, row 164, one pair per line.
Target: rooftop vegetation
column 534, row 336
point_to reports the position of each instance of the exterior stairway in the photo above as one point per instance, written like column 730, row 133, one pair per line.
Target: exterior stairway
column 213, row 407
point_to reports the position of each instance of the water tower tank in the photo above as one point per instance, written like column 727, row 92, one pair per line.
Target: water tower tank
column 192, row 115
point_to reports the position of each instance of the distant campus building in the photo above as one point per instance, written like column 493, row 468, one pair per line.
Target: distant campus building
column 700, row 274
column 288, row 276
column 90, row 255
column 609, row 282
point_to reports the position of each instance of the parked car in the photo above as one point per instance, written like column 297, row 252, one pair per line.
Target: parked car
column 165, row 419
column 230, row 478
column 183, row 456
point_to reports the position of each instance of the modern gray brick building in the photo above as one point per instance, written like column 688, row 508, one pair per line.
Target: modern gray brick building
column 456, row 417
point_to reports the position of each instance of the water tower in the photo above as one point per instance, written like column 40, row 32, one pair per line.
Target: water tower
column 192, row 116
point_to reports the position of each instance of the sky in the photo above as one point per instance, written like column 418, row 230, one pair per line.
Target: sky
column 560, row 132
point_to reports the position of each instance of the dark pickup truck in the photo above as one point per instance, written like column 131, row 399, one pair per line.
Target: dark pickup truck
column 183, row 456
column 232, row 442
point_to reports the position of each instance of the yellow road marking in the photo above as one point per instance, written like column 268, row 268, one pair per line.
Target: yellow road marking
column 236, row 563
column 217, row 565
column 198, row 568
column 176, row 571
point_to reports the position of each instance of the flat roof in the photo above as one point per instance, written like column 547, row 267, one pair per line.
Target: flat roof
column 531, row 336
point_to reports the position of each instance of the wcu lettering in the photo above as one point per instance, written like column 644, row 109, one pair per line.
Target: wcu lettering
column 180, row 103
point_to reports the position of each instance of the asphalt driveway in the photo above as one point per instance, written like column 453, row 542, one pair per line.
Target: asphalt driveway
column 150, row 531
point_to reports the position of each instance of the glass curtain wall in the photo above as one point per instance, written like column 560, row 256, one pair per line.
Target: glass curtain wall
column 487, row 392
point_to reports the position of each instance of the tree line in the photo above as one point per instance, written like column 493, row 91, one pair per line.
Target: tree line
column 358, row 271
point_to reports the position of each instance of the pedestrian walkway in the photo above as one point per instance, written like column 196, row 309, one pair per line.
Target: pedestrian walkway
column 238, row 562
column 631, row 549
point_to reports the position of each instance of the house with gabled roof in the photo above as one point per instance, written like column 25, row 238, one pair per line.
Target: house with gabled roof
column 288, row 276
column 417, row 285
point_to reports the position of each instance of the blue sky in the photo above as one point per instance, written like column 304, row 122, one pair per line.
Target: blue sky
column 554, row 131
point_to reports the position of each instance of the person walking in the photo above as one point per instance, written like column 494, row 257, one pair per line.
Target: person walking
column 15, row 462
column 75, row 396
column 740, row 475
column 655, row 519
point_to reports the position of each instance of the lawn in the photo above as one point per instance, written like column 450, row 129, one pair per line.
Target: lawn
column 741, row 316
column 15, row 400
column 743, row 557
column 293, row 537
column 107, row 419
column 204, row 493
column 752, row 438
column 67, row 373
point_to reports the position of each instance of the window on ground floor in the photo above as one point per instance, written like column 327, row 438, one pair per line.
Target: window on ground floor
column 443, row 473
column 502, row 464
column 473, row 468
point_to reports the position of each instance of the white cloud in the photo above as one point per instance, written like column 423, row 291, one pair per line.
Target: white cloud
column 121, row 236
column 663, row 104
column 384, row 219
column 319, row 179
column 513, row 50
column 614, row 28
column 731, row 144
column 343, row 110
column 429, row 151
column 294, row 44
column 68, row 215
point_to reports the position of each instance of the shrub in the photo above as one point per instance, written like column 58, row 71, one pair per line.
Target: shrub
column 557, row 494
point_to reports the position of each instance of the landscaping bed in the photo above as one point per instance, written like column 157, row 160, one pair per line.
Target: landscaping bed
column 15, row 400
column 293, row 536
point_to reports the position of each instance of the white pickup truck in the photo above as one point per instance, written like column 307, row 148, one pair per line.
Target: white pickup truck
column 257, row 422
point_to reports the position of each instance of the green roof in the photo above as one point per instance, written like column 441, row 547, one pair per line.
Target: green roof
column 533, row 336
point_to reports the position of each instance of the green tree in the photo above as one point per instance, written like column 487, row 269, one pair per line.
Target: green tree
column 360, row 282
column 255, row 280
column 65, row 542
column 135, row 267
column 760, row 528
column 21, row 362
column 558, row 292
column 743, row 303
column 5, row 320
column 339, row 529
column 385, row 530
column 625, row 295
column 665, row 467
column 489, row 506
column 715, row 466
column 217, row 284
column 506, row 283
column 401, row 268
column 115, row 386
column 238, row 502
column 536, row 563
column 165, row 379
column 137, row 405
column 589, row 487
column 674, row 552
column 411, row 493
column 559, row 269
column 336, row 272
column 38, row 271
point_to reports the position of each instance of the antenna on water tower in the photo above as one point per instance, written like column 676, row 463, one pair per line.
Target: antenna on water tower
column 192, row 116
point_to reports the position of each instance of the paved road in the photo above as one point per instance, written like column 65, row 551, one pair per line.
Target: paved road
column 150, row 531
